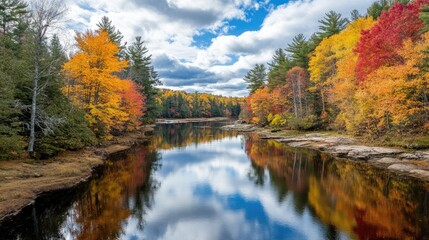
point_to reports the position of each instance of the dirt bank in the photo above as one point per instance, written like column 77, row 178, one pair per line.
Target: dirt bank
column 403, row 161
column 21, row 181
column 191, row 120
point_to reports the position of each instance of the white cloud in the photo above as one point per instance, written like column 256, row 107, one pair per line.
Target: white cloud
column 169, row 28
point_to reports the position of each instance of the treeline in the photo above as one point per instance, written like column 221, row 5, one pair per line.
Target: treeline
column 179, row 104
column 367, row 75
column 50, row 101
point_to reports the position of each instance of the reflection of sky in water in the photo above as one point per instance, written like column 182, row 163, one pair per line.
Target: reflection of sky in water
column 206, row 193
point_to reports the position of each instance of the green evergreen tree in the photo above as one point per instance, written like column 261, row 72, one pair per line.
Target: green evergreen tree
column 115, row 35
column 378, row 7
column 13, row 24
column 331, row 24
column 424, row 16
column 60, row 125
column 299, row 50
column 278, row 69
column 11, row 143
column 355, row 14
column 256, row 77
column 141, row 71
column 11, row 14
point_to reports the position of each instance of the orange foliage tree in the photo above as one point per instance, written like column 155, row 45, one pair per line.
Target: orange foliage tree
column 93, row 86
column 395, row 97
column 378, row 46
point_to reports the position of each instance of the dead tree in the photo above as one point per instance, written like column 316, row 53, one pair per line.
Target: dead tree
column 45, row 14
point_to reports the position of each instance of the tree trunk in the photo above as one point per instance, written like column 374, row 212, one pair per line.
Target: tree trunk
column 295, row 109
column 323, row 100
column 32, row 138
column 299, row 97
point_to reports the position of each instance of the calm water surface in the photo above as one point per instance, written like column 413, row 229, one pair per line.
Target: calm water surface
column 194, row 181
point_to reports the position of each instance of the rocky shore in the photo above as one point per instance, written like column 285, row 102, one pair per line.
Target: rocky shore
column 22, row 181
column 403, row 161
column 190, row 120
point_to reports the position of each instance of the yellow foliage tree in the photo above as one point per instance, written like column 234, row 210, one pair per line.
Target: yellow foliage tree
column 396, row 96
column 91, row 84
column 332, row 69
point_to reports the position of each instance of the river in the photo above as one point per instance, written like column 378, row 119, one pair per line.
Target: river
column 195, row 181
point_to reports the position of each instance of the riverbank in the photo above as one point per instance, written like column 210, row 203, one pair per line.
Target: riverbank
column 411, row 163
column 22, row 181
column 190, row 120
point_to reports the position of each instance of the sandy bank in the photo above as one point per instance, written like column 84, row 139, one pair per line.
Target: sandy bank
column 21, row 181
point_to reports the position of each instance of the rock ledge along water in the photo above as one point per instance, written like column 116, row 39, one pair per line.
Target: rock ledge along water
column 405, row 162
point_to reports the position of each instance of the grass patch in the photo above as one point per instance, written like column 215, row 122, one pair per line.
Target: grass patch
column 410, row 142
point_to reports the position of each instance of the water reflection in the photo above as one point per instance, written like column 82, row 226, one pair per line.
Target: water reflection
column 195, row 181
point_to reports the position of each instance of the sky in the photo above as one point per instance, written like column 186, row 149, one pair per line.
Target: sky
column 207, row 45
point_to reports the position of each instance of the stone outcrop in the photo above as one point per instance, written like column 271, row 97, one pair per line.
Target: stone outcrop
column 404, row 162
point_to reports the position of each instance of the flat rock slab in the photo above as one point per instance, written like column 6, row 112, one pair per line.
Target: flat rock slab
column 387, row 160
column 362, row 152
column 421, row 173
column 239, row 127
column 320, row 138
column 403, row 167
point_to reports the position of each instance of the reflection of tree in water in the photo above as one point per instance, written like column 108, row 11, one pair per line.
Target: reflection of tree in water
column 256, row 174
column 184, row 134
column 144, row 196
column 125, row 190
column 365, row 202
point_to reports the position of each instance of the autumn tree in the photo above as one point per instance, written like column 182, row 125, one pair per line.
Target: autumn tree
column 339, row 84
column 330, row 55
column 297, row 83
column 92, row 84
column 378, row 46
column 395, row 97
column 256, row 77
column 133, row 103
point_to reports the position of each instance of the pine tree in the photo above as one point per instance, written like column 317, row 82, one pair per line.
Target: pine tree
column 11, row 13
column 424, row 16
column 141, row 71
column 299, row 50
column 256, row 77
column 61, row 126
column 331, row 24
column 377, row 8
column 355, row 15
column 13, row 24
column 10, row 141
column 115, row 35
column 278, row 69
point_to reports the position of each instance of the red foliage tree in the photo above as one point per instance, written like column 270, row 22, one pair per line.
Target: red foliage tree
column 378, row 46
column 133, row 103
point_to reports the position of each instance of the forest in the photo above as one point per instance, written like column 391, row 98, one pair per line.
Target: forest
column 179, row 104
column 54, row 98
column 367, row 75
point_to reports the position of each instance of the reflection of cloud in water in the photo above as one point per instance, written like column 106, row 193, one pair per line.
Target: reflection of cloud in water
column 206, row 194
